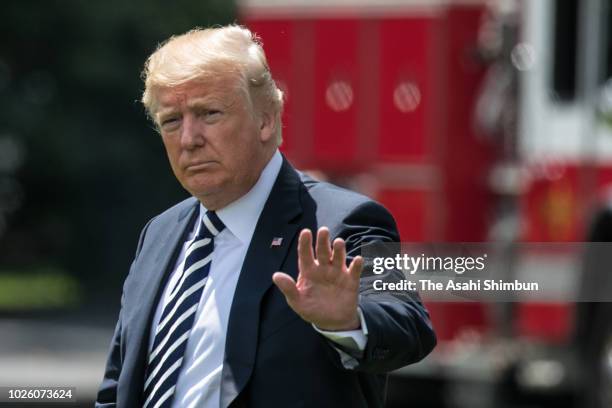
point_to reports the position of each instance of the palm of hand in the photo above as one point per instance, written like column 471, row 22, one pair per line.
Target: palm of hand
column 326, row 290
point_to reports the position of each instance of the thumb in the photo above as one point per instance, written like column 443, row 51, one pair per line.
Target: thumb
column 287, row 285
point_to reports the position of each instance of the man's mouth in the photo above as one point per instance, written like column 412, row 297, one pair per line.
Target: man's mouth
column 199, row 165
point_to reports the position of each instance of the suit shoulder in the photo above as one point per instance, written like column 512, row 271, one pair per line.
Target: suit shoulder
column 175, row 212
column 179, row 208
column 347, row 213
column 341, row 199
column 161, row 221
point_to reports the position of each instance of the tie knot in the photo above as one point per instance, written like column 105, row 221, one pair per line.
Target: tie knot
column 212, row 224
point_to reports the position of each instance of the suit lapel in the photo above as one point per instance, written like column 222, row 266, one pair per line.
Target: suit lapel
column 159, row 263
column 156, row 265
column 277, row 220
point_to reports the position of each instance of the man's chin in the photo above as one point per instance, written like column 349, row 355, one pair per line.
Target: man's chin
column 200, row 192
column 202, row 183
column 204, row 192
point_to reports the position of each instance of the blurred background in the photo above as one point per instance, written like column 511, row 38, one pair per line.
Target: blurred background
column 470, row 120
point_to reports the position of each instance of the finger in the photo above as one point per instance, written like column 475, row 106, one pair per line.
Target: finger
column 356, row 267
column 305, row 253
column 339, row 254
column 323, row 248
column 287, row 286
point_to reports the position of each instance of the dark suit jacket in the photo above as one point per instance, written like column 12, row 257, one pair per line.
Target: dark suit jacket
column 272, row 357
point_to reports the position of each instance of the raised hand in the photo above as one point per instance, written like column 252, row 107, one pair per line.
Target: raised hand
column 326, row 290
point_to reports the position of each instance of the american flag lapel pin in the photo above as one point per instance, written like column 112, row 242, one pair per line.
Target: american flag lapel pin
column 276, row 242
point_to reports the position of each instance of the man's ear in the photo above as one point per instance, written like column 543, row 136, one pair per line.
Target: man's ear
column 267, row 126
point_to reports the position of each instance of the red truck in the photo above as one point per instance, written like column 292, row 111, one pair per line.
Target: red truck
column 471, row 121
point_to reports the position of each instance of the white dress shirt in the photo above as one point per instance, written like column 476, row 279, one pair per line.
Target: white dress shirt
column 199, row 380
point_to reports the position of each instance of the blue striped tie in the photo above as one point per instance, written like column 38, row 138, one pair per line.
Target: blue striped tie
column 178, row 315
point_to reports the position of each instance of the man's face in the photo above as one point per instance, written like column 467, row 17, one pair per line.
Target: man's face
column 214, row 143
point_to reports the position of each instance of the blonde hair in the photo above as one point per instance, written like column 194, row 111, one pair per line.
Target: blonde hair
column 203, row 54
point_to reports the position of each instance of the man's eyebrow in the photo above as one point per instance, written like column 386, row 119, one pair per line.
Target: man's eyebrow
column 165, row 111
column 206, row 101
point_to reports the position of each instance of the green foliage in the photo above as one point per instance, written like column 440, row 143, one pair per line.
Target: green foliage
column 95, row 170
column 43, row 288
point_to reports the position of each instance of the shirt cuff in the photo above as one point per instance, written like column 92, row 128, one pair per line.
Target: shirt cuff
column 353, row 340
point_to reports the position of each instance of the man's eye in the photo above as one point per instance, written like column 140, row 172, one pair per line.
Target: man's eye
column 169, row 120
column 211, row 114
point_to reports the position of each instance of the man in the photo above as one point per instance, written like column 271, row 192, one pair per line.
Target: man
column 206, row 319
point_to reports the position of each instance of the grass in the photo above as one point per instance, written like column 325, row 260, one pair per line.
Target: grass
column 43, row 288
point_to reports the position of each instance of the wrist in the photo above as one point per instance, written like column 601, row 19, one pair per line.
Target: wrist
column 353, row 324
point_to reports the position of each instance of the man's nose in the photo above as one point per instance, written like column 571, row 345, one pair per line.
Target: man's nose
column 191, row 133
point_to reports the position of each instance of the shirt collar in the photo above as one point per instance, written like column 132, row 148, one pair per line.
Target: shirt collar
column 240, row 217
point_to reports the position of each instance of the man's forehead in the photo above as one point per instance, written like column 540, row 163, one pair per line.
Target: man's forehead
column 196, row 91
column 221, row 87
